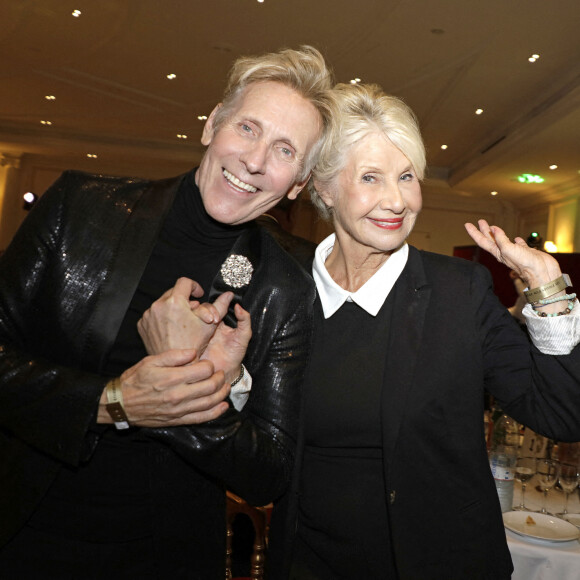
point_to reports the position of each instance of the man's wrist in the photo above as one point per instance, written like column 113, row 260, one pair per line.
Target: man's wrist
column 115, row 406
column 239, row 376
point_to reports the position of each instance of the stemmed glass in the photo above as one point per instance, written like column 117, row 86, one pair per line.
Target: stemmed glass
column 548, row 476
column 569, row 479
column 525, row 470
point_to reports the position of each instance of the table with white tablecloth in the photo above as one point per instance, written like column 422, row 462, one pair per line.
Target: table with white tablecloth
column 536, row 559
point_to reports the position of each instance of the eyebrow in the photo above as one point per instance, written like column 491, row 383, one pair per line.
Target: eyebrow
column 284, row 139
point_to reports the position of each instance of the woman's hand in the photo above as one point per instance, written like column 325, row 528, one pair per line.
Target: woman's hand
column 227, row 347
column 533, row 266
column 175, row 321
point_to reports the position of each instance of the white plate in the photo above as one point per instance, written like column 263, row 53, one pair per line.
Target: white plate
column 546, row 527
column 573, row 519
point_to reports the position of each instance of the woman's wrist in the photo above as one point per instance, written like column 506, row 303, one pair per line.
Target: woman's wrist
column 552, row 289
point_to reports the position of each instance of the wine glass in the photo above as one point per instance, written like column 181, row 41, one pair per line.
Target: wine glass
column 547, row 478
column 525, row 470
column 569, row 479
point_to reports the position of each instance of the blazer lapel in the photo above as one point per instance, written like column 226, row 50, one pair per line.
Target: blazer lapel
column 135, row 246
column 411, row 301
column 248, row 247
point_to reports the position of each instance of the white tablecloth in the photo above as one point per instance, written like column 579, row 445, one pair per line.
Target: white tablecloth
column 542, row 560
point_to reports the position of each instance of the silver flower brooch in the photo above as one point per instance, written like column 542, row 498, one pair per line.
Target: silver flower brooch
column 237, row 271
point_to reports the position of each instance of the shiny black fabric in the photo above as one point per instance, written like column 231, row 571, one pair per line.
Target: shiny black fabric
column 301, row 249
column 450, row 340
column 65, row 285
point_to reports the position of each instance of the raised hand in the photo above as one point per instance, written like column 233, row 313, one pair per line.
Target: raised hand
column 177, row 321
column 533, row 266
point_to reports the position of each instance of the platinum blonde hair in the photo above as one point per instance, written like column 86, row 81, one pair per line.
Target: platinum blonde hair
column 302, row 70
column 357, row 111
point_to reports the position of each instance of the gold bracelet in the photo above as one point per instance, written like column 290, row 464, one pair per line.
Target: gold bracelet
column 548, row 289
column 115, row 406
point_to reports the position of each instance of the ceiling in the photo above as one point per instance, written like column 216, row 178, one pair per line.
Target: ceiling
column 107, row 70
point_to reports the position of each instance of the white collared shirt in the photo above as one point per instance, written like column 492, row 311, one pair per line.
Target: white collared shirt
column 371, row 295
column 551, row 335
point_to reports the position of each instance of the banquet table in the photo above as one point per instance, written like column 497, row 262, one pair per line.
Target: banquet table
column 536, row 559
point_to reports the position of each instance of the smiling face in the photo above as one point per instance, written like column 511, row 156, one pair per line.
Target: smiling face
column 375, row 199
column 255, row 157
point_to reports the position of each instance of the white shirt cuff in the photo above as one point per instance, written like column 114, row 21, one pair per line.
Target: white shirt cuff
column 554, row 334
column 241, row 391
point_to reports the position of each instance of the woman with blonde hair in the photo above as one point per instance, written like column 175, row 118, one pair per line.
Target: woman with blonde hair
column 392, row 478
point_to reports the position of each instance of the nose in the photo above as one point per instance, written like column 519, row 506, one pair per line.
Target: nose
column 392, row 198
column 255, row 157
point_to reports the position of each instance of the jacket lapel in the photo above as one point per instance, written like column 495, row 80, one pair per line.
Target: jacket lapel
column 248, row 245
column 135, row 246
column 411, row 301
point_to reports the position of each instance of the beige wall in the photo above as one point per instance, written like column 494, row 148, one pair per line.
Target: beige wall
column 439, row 227
column 34, row 173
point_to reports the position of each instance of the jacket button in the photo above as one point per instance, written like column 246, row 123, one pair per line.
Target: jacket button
column 392, row 494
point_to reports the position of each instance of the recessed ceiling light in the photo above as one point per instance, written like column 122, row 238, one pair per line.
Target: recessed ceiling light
column 46, row 122
column 171, row 76
column 534, row 57
column 553, row 167
column 76, row 13
column 478, row 111
column 181, row 136
column 92, row 155
column 202, row 117
column 443, row 146
column 354, row 81
column 261, row 1
column 494, row 193
column 50, row 97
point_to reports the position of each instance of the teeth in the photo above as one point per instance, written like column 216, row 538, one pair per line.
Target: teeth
column 233, row 179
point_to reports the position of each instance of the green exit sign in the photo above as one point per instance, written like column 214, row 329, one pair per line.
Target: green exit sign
column 529, row 178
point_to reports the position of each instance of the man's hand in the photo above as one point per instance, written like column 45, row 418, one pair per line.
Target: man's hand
column 166, row 390
column 176, row 321
column 227, row 348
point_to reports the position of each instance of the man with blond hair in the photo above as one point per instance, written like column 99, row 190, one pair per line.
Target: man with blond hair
column 117, row 444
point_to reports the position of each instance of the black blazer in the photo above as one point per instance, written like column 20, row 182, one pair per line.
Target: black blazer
column 65, row 284
column 449, row 340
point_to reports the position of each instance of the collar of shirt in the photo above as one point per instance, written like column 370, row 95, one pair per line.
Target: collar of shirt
column 370, row 296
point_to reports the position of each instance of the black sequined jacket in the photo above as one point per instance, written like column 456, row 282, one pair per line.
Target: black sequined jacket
column 65, row 284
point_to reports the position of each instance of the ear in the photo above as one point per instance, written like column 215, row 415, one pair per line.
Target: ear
column 297, row 188
column 324, row 193
column 208, row 128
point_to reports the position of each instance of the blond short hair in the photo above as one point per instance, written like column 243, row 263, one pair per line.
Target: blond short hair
column 302, row 70
column 357, row 111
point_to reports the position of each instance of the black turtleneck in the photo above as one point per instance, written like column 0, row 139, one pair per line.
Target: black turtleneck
column 191, row 244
